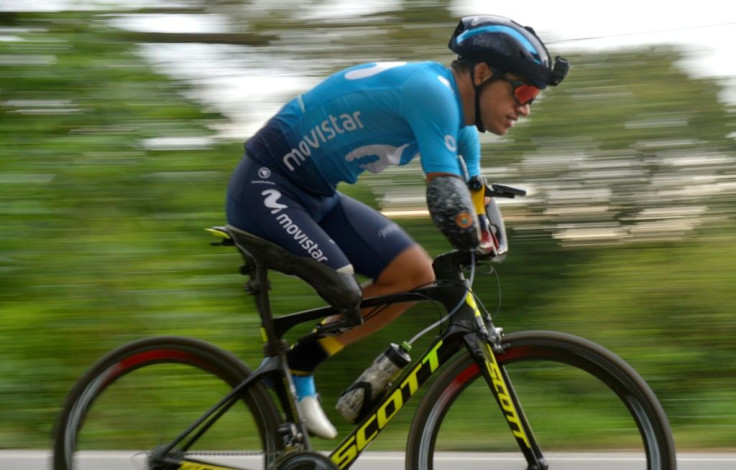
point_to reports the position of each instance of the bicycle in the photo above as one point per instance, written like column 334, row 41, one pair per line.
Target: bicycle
column 468, row 361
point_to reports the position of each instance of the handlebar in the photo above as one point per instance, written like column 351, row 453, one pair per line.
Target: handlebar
column 503, row 190
column 476, row 183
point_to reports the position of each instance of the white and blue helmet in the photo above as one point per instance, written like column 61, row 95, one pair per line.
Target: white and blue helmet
column 507, row 46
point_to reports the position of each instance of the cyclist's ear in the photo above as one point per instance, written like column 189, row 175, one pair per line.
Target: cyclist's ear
column 452, row 210
column 481, row 73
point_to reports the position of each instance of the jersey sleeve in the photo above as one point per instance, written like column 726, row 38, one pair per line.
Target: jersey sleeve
column 469, row 147
column 430, row 106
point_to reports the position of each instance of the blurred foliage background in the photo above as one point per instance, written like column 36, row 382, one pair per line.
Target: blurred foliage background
column 117, row 143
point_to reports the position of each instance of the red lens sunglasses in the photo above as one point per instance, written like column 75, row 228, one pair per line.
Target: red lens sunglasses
column 523, row 92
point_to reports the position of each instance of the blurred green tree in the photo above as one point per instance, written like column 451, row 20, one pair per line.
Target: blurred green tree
column 108, row 176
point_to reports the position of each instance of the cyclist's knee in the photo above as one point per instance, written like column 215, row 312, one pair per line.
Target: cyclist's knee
column 411, row 268
column 420, row 272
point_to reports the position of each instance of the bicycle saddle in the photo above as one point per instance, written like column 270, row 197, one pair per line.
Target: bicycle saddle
column 341, row 290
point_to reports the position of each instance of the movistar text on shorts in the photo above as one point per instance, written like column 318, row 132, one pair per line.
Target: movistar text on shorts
column 309, row 245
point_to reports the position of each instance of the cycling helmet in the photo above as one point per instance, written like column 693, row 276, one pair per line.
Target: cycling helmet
column 508, row 47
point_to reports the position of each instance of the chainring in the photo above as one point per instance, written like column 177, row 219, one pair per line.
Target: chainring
column 303, row 461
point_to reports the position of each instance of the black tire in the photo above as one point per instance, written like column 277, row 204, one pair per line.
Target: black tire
column 146, row 393
column 581, row 400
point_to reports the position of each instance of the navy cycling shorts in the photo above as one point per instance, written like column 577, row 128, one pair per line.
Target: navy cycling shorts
column 336, row 230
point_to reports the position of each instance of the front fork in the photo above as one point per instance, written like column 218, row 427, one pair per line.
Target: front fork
column 505, row 395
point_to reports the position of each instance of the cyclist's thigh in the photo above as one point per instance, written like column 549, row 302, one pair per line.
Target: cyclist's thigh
column 267, row 204
column 367, row 237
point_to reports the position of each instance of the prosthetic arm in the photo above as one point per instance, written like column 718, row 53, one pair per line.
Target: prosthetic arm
column 468, row 215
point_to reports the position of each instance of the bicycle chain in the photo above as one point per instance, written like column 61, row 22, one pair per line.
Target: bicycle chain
column 233, row 453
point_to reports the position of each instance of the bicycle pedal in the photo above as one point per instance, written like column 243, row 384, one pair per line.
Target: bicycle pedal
column 290, row 434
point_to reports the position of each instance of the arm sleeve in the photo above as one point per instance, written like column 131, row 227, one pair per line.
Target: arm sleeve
column 452, row 211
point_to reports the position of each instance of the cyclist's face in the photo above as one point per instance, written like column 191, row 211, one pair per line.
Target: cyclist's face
column 499, row 108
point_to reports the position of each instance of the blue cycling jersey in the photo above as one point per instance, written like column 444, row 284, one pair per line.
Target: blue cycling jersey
column 369, row 117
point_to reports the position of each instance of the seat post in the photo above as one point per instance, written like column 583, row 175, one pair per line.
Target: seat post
column 255, row 267
column 339, row 289
column 273, row 346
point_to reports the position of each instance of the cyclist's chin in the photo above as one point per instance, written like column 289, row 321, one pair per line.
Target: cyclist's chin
column 498, row 129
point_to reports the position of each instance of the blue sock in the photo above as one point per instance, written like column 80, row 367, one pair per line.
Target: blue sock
column 304, row 385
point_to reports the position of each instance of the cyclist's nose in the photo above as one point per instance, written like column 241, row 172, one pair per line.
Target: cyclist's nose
column 525, row 110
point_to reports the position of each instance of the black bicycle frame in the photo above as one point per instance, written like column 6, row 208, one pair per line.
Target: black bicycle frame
column 467, row 329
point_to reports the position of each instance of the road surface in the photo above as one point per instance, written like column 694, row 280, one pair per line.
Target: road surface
column 39, row 460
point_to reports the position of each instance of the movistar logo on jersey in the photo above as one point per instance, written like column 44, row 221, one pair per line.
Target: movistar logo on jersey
column 320, row 134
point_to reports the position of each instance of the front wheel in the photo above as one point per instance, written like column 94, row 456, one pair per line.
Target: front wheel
column 143, row 395
column 587, row 409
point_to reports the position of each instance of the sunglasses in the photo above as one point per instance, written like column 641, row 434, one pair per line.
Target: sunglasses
column 523, row 92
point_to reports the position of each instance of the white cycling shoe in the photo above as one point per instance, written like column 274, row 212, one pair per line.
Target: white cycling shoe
column 318, row 424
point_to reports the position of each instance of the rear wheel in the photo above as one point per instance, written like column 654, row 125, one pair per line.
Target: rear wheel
column 587, row 409
column 143, row 395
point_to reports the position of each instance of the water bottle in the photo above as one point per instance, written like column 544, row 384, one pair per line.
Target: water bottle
column 373, row 382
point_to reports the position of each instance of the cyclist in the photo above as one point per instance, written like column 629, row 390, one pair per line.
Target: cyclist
column 368, row 117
